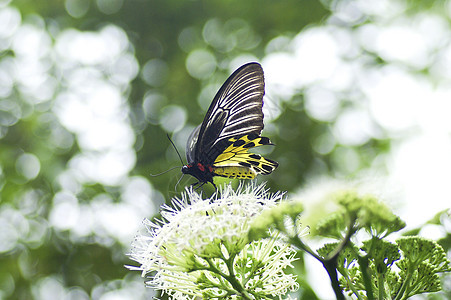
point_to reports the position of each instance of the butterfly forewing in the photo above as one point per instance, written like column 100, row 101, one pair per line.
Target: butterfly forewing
column 191, row 145
column 236, row 110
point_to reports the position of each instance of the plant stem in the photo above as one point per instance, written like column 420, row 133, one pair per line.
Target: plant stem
column 330, row 265
column 331, row 268
column 344, row 242
column 230, row 278
column 405, row 284
column 364, row 269
column 233, row 281
column 352, row 286
column 380, row 283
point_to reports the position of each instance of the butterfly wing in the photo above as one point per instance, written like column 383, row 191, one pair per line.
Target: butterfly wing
column 191, row 145
column 236, row 162
column 236, row 111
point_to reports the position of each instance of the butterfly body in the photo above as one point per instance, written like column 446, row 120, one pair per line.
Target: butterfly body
column 200, row 172
column 232, row 126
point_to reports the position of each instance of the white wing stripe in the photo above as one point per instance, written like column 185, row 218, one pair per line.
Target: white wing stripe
column 236, row 109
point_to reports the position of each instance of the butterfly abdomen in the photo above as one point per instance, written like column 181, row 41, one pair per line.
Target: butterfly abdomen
column 235, row 172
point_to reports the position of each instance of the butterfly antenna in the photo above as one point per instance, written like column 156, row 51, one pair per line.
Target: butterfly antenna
column 178, row 181
column 173, row 145
column 155, row 175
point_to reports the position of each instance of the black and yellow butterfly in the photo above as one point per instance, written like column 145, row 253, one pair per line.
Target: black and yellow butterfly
column 232, row 126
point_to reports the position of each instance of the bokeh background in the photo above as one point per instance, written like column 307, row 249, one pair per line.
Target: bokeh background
column 356, row 90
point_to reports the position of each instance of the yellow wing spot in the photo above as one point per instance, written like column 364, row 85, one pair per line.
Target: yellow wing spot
column 224, row 156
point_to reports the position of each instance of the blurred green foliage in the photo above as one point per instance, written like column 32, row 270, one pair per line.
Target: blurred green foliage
column 163, row 34
column 153, row 28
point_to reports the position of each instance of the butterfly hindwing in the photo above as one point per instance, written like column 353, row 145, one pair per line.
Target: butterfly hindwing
column 236, row 162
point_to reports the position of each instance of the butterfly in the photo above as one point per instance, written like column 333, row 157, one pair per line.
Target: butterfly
column 233, row 123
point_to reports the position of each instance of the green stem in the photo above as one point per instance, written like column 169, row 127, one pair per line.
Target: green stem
column 381, row 284
column 233, row 281
column 331, row 268
column 230, row 278
column 352, row 286
column 329, row 265
column 403, row 288
column 364, row 269
column 298, row 243
column 344, row 242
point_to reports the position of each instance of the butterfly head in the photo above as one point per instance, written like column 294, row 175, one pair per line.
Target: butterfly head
column 199, row 171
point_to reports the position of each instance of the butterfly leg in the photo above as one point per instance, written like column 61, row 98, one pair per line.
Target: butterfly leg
column 214, row 185
column 200, row 185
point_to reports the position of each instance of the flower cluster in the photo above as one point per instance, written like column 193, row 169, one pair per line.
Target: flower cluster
column 200, row 248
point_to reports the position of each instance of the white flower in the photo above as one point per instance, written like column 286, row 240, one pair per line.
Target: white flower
column 200, row 248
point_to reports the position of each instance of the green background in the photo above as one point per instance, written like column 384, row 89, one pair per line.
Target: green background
column 47, row 262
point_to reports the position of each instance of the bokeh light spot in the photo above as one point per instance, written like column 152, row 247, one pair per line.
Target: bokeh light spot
column 207, row 94
column 124, row 69
column 173, row 118
column 200, row 64
column 190, row 39
column 6, row 80
column 321, row 104
column 77, row 8
column 28, row 165
column 395, row 97
column 346, row 160
column 155, row 72
column 65, row 212
column 109, row 168
column 90, row 48
column 109, row 7
column 403, row 43
column 353, row 127
column 152, row 105
column 31, row 42
column 317, row 55
column 215, row 35
column 8, row 235
column 325, row 143
column 10, row 20
column 137, row 193
column 49, row 288
column 10, row 112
